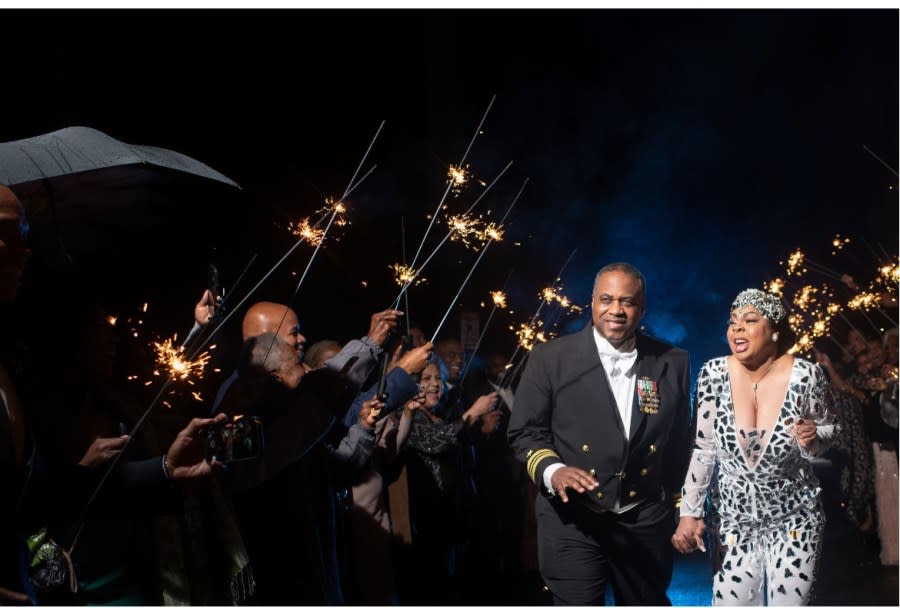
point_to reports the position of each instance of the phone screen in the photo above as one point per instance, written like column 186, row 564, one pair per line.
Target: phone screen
column 234, row 440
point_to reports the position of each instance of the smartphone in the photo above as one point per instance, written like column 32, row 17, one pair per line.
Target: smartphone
column 240, row 438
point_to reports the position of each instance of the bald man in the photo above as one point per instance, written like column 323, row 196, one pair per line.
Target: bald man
column 281, row 320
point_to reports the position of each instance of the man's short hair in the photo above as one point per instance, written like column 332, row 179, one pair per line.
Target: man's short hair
column 627, row 269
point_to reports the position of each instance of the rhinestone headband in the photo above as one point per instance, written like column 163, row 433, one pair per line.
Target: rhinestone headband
column 767, row 304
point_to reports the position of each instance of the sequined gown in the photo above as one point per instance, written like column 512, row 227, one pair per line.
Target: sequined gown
column 765, row 513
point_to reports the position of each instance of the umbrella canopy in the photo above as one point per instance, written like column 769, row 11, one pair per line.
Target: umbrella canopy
column 78, row 149
column 114, row 209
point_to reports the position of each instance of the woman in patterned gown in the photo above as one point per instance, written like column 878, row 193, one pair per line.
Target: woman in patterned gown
column 762, row 414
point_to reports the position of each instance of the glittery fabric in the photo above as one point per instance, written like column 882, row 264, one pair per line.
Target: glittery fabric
column 767, row 304
column 766, row 518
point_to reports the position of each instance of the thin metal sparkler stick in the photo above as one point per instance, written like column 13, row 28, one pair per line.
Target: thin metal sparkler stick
column 362, row 160
column 503, row 380
column 477, row 261
column 440, row 204
column 483, row 332
column 403, row 251
column 878, row 158
column 446, row 237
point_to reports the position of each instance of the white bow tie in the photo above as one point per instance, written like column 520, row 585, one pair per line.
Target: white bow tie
column 614, row 358
column 618, row 356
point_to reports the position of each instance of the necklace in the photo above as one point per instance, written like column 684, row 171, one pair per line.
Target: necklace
column 755, row 385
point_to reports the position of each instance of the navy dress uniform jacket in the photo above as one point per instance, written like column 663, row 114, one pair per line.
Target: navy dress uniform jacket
column 565, row 412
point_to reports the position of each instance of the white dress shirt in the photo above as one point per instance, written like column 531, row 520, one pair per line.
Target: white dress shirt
column 620, row 371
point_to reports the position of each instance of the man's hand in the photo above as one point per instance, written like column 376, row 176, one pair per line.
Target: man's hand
column 573, row 478
column 102, row 450
column 805, row 432
column 415, row 360
column 184, row 459
column 368, row 413
column 689, row 535
column 382, row 323
column 205, row 309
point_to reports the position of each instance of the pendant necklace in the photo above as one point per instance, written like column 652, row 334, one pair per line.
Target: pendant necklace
column 755, row 385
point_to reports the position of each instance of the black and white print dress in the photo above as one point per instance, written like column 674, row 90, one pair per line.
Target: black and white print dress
column 765, row 513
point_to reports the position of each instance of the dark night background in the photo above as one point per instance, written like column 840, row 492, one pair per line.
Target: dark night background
column 700, row 145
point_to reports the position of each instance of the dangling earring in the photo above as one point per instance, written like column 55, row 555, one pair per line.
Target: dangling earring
column 775, row 337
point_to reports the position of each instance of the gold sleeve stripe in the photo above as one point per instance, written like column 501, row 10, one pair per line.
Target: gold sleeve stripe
column 536, row 458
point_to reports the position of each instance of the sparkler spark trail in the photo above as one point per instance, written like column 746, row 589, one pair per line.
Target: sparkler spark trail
column 464, row 229
column 396, row 301
column 838, row 243
column 499, row 298
column 403, row 275
column 449, row 186
column 508, row 375
column 172, row 361
column 459, row 177
column 478, row 260
column 309, row 233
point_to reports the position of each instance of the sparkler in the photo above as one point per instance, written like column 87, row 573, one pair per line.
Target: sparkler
column 447, row 237
column 450, row 183
column 459, row 176
column 499, row 299
column 478, row 260
column 506, row 380
column 173, row 361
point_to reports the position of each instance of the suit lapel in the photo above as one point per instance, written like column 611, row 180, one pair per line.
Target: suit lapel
column 644, row 368
column 595, row 376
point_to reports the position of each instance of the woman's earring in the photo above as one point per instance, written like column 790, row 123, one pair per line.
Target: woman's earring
column 775, row 337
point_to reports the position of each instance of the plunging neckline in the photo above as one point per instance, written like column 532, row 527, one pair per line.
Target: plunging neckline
column 770, row 431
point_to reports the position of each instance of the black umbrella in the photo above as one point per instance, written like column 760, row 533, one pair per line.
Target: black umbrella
column 99, row 203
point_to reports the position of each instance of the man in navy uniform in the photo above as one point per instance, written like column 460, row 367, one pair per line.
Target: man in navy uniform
column 603, row 422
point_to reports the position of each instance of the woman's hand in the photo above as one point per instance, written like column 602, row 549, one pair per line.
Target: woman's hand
column 689, row 534
column 805, row 432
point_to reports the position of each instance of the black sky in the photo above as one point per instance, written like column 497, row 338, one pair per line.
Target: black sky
column 701, row 145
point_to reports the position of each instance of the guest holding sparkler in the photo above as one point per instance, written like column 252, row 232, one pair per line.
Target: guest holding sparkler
column 762, row 415
column 433, row 479
column 602, row 420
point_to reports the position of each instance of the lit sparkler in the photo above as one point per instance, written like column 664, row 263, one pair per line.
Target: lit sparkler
column 173, row 362
column 499, row 299
column 795, row 264
column 459, row 176
column 838, row 243
column 306, row 231
column 776, row 287
column 404, row 275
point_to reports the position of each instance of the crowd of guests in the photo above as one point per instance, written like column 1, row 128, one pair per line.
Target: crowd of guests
column 862, row 369
column 385, row 476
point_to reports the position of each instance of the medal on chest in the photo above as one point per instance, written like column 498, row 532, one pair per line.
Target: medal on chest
column 648, row 395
